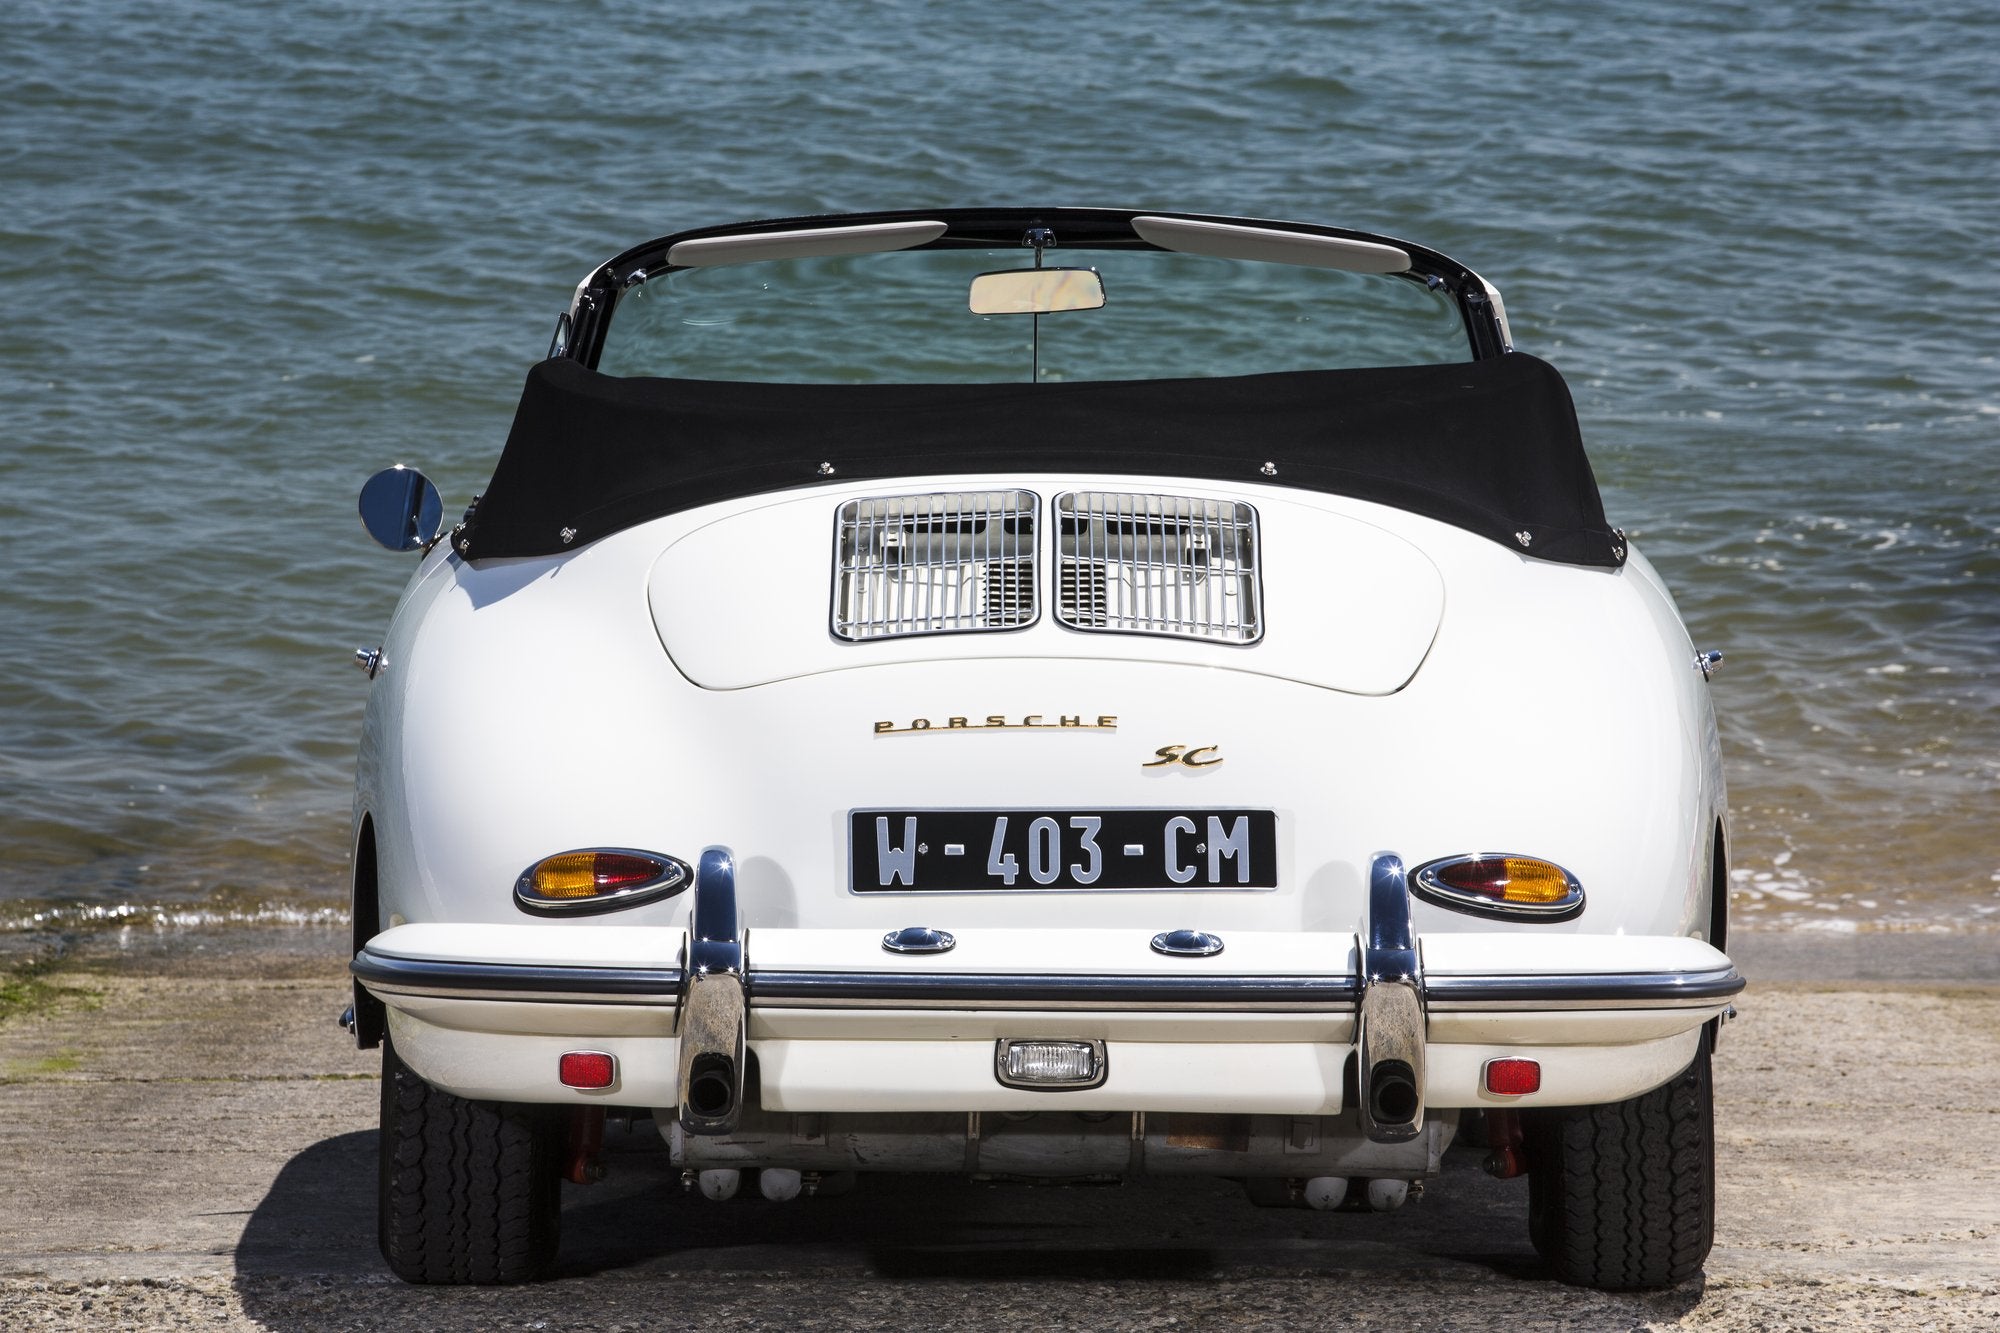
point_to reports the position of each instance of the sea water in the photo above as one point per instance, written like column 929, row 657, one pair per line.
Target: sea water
column 250, row 252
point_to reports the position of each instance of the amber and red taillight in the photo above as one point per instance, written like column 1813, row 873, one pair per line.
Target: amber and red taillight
column 1507, row 887
column 599, row 879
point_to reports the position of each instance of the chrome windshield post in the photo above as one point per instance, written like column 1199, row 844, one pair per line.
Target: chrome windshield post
column 712, row 1016
column 1391, row 1030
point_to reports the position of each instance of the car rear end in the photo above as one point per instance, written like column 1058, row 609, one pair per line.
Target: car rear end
column 1072, row 797
column 1270, row 777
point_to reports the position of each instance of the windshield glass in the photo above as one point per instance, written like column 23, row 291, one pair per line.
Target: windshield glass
column 902, row 318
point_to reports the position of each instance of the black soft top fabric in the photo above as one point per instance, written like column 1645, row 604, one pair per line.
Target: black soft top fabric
column 1489, row 446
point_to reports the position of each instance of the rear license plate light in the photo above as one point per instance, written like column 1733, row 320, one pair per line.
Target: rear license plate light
column 1050, row 1064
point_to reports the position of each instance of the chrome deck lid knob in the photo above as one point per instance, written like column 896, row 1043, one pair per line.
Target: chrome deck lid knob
column 919, row 939
column 1187, row 943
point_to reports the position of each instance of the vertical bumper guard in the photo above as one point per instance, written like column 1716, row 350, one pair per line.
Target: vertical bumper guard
column 712, row 1013
column 1391, row 1037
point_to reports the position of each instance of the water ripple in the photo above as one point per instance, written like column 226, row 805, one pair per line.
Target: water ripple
column 268, row 248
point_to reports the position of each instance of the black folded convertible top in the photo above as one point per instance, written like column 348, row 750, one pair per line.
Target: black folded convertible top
column 1489, row 446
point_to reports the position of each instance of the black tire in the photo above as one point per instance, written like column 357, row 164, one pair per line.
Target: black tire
column 1622, row 1197
column 470, row 1192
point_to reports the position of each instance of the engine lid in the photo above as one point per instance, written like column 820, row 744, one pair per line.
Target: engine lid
column 1253, row 581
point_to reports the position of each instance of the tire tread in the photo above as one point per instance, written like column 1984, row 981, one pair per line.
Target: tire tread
column 1622, row 1196
column 469, row 1192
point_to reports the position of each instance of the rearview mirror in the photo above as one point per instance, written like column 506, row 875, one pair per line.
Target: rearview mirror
column 1036, row 291
column 401, row 509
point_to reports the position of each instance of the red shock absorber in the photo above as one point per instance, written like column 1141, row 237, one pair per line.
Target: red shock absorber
column 1503, row 1136
column 586, row 1141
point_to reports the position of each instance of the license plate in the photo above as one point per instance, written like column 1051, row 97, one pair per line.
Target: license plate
column 926, row 851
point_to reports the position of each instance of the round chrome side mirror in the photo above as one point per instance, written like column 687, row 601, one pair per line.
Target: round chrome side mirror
column 401, row 509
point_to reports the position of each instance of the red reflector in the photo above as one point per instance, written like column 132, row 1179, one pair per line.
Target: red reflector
column 586, row 1069
column 1513, row 1078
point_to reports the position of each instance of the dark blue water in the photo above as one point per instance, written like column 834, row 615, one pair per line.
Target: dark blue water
column 251, row 252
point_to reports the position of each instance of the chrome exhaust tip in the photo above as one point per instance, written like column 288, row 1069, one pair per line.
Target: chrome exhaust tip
column 713, row 1088
column 712, row 1054
column 1393, row 1097
column 1392, row 1062
column 1391, row 1037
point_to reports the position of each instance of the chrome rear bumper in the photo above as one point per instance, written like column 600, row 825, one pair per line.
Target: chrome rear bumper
column 836, row 1024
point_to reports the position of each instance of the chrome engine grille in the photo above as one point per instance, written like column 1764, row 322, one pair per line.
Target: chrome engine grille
column 1158, row 564
column 935, row 564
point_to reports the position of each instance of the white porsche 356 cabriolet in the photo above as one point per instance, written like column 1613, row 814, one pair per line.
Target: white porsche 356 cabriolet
column 1038, row 693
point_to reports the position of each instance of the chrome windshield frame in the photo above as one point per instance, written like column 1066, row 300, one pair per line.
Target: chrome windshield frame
column 596, row 298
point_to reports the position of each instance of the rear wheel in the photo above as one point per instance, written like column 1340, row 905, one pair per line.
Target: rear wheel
column 469, row 1191
column 1622, row 1197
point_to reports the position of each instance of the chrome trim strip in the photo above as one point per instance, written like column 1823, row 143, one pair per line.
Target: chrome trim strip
column 1571, row 1006
column 665, row 1004
column 1608, row 989
column 865, row 238
column 934, row 989
column 1330, row 1010
column 1235, row 240
column 661, row 986
column 389, row 975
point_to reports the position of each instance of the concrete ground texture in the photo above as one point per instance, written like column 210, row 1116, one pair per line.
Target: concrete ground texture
column 190, row 1143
